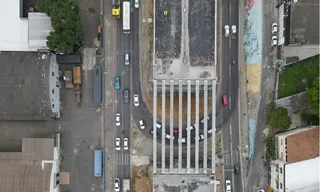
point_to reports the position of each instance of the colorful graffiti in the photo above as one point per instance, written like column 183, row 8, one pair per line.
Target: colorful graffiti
column 253, row 31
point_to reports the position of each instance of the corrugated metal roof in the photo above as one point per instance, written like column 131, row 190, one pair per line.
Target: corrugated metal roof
column 39, row 28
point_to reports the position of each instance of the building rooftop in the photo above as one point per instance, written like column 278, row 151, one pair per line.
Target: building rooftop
column 22, row 171
column 26, row 90
column 303, row 176
column 303, row 146
column 304, row 22
column 22, row 34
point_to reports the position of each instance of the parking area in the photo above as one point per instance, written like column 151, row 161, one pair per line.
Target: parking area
column 184, row 39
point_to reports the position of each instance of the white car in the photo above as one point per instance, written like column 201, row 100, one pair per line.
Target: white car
column 274, row 41
column 274, row 28
column 116, row 184
column 125, row 144
column 118, row 144
column 141, row 124
column 202, row 121
column 136, row 3
column 228, row 186
column 233, row 31
column 191, row 127
column 136, row 100
column 226, row 30
column 200, row 137
column 261, row 190
column 118, row 119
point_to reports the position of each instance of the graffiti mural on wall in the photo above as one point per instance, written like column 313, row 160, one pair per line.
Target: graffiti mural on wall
column 253, row 31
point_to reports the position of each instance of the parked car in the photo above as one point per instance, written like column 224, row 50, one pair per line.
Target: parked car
column 274, row 41
column 126, row 59
column 136, row 100
column 126, row 95
column 116, row 184
column 274, row 28
column 141, row 124
column 136, row 3
column 226, row 30
column 157, row 134
column 191, row 127
column 228, row 185
column 125, row 144
column 175, row 131
column 118, row 119
column 225, row 99
column 118, row 144
column 236, row 169
column 117, row 83
column 183, row 140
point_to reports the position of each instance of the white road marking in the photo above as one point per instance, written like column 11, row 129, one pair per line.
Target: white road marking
column 230, row 128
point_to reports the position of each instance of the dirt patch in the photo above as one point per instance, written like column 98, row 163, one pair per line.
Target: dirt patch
column 219, row 177
column 142, row 178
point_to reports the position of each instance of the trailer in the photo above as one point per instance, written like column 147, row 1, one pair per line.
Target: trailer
column 77, row 82
column 98, row 159
column 126, row 9
column 126, row 185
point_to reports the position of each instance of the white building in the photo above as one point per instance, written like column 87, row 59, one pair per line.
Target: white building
column 22, row 34
column 296, row 168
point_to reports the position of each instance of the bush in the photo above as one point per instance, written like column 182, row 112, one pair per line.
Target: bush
column 270, row 147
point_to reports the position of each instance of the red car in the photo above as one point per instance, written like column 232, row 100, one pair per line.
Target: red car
column 225, row 99
column 176, row 131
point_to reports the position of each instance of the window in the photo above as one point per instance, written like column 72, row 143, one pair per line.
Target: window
column 280, row 185
column 280, row 169
column 52, row 73
column 52, row 91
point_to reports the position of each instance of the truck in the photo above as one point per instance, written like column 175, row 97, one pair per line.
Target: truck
column 126, row 185
column 77, row 82
column 126, row 17
column 68, row 79
column 98, row 159
column 116, row 9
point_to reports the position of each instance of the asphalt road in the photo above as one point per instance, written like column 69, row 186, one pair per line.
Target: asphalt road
column 122, row 157
column 230, row 84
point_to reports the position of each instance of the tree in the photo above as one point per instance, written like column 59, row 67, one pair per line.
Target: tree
column 277, row 117
column 44, row 6
column 66, row 24
column 313, row 96
column 271, row 149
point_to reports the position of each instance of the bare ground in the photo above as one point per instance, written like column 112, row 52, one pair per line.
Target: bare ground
column 142, row 178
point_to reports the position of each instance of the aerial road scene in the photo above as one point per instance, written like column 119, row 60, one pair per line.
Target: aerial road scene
column 159, row 96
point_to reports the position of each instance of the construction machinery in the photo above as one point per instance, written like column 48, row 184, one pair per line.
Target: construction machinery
column 77, row 82
column 116, row 9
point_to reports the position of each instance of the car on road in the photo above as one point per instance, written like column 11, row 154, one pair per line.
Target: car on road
column 118, row 144
column 125, row 143
column 228, row 185
column 136, row 100
column 117, row 83
column 118, row 119
column 136, row 3
column 274, row 28
column 274, row 41
column 237, row 169
column 126, row 95
column 226, row 30
column 225, row 99
column 141, row 124
column 157, row 134
column 116, row 184
column 233, row 31
column 126, row 59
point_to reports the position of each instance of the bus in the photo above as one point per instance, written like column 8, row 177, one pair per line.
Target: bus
column 126, row 17
column 98, row 159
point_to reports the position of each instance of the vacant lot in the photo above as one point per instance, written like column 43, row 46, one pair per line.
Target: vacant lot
column 297, row 77
column 142, row 178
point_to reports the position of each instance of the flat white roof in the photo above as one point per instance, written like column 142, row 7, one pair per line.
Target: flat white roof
column 302, row 176
column 14, row 30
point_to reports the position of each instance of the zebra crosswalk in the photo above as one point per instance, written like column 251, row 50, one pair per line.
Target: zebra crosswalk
column 122, row 159
column 229, row 159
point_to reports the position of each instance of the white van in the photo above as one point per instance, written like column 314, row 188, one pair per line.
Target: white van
column 126, row 59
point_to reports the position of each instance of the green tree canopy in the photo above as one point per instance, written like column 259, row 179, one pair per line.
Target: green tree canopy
column 66, row 24
column 277, row 117
column 313, row 96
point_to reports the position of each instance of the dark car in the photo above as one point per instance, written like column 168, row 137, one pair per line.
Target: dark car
column 126, row 95
column 151, row 132
column 236, row 169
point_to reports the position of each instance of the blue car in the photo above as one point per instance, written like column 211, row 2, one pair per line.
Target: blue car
column 117, row 83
